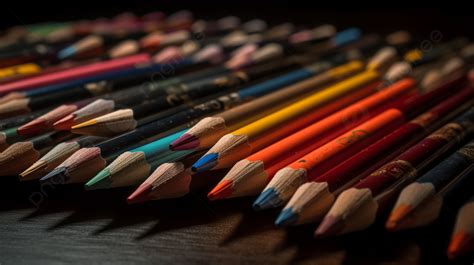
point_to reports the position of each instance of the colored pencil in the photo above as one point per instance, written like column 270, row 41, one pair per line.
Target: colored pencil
column 208, row 131
column 355, row 209
column 45, row 122
column 173, row 180
column 19, row 156
column 19, row 70
column 306, row 162
column 92, row 159
column 462, row 238
column 132, row 96
column 115, row 80
column 74, row 73
column 236, row 145
column 83, row 45
column 444, row 203
column 285, row 182
column 56, row 156
column 252, row 173
column 422, row 190
column 132, row 167
column 26, row 105
column 184, row 94
column 312, row 200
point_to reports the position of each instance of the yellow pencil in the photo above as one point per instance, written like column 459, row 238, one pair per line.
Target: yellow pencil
column 258, row 134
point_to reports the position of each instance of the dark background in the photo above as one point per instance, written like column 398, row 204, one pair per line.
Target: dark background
column 452, row 19
column 73, row 226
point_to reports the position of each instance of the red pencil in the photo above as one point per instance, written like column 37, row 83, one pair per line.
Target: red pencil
column 313, row 200
column 74, row 73
column 355, row 209
column 45, row 122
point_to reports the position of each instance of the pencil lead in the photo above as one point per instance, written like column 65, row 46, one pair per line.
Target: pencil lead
column 397, row 216
column 282, row 186
column 310, row 203
column 221, row 191
column 140, row 194
column 100, row 181
column 58, row 175
column 459, row 244
column 185, row 142
column 269, row 198
column 83, row 125
column 207, row 162
column 33, row 127
column 287, row 217
column 64, row 124
column 331, row 225
column 34, row 171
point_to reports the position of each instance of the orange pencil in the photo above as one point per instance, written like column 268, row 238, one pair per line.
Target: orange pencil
column 250, row 175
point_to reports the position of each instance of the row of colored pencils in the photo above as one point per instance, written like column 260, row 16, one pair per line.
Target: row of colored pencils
column 337, row 127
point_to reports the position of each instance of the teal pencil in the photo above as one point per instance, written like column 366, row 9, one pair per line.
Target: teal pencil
column 132, row 167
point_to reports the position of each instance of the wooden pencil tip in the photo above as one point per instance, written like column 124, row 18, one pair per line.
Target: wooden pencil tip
column 11, row 96
column 397, row 216
column 16, row 158
column 140, row 194
column 185, row 142
column 34, row 127
column 14, row 108
column 460, row 243
column 330, row 226
column 64, row 124
column 35, row 171
column 221, row 191
column 108, row 125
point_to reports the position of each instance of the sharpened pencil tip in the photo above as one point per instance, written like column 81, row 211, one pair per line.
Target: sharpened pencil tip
column 221, row 191
column 140, row 194
column 64, row 124
column 34, row 171
column 460, row 244
column 58, row 175
column 269, row 198
column 207, row 162
column 84, row 124
column 331, row 225
column 397, row 216
column 185, row 142
column 287, row 217
column 101, row 181
column 33, row 127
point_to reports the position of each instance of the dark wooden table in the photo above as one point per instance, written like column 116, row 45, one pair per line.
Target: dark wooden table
column 69, row 225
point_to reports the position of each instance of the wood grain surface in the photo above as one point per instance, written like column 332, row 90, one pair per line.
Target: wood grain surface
column 69, row 225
